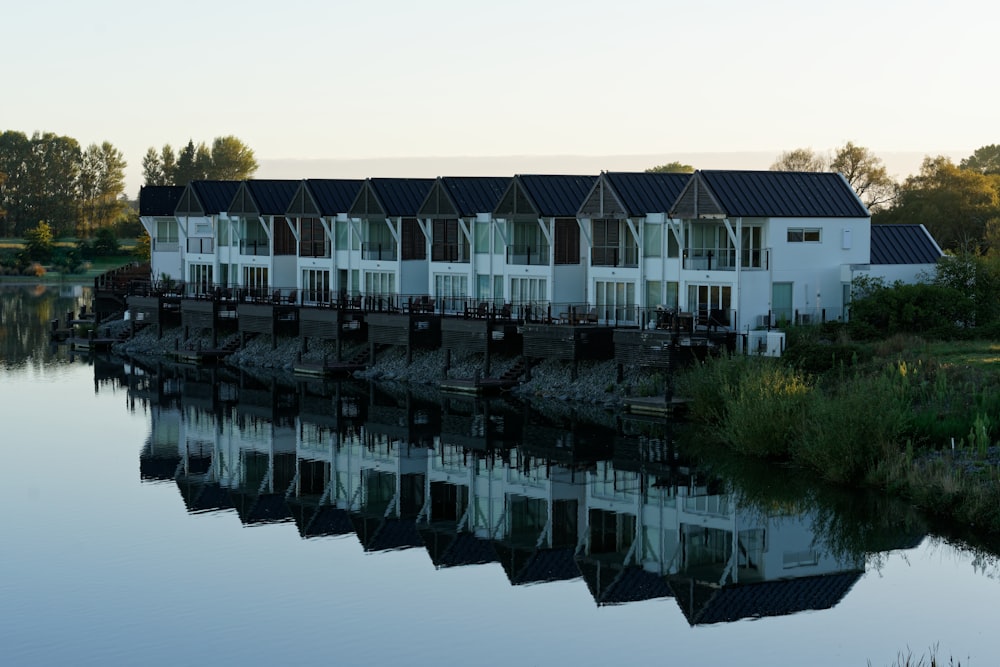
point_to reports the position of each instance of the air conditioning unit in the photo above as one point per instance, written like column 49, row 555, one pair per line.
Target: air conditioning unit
column 805, row 318
column 764, row 321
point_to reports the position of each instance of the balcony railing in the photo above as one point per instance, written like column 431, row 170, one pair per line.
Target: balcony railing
column 314, row 249
column 255, row 248
column 388, row 252
column 614, row 256
column 528, row 255
column 200, row 245
column 724, row 259
column 449, row 252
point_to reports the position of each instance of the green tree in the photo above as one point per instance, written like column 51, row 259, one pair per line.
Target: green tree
column 152, row 168
column 232, row 160
column 674, row 167
column 14, row 149
column 954, row 204
column 106, row 243
column 39, row 242
column 143, row 246
column 202, row 163
column 168, row 163
column 102, row 187
column 800, row 159
column 867, row 175
column 52, row 182
column 985, row 160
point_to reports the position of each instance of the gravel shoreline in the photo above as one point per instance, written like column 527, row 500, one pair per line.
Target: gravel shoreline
column 552, row 380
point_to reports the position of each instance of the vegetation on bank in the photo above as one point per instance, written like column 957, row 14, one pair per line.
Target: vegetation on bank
column 915, row 417
column 40, row 256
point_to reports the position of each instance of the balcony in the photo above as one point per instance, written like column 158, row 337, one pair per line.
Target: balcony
column 388, row 252
column 614, row 256
column 528, row 255
column 314, row 249
column 724, row 259
column 255, row 248
column 450, row 252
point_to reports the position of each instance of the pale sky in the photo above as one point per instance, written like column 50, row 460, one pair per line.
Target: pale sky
column 365, row 80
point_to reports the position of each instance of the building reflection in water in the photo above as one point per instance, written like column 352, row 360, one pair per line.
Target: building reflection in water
column 474, row 481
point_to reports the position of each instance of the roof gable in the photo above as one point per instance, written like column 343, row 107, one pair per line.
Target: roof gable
column 546, row 196
column 768, row 194
column 645, row 193
column 392, row 197
column 159, row 200
column 633, row 194
column 903, row 244
column 303, row 203
column 207, row 197
column 438, row 203
column 602, row 201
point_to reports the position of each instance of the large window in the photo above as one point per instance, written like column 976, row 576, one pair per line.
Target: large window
column 313, row 241
column 448, row 244
column 255, row 279
column 752, row 252
column 451, row 291
column 652, row 240
column 255, row 240
column 166, row 234
column 528, row 290
column 200, row 278
column 315, row 286
column 711, row 304
column 616, row 301
column 380, row 283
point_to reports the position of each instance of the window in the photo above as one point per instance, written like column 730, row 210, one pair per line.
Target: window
column 612, row 245
column 315, row 286
column 451, row 290
column 414, row 244
column 652, row 240
column 380, row 283
column 752, row 254
column 313, row 239
column 166, row 231
column 482, row 237
column 448, row 243
column 567, row 242
column 528, row 290
column 803, row 235
column 615, row 301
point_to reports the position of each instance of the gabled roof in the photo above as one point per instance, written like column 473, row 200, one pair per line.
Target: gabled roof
column 463, row 196
column 159, row 200
column 391, row 197
column 768, row 194
column 263, row 197
column 544, row 196
column 207, row 197
column 632, row 195
column 330, row 196
column 903, row 244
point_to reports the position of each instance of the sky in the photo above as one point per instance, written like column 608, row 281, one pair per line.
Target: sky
column 373, row 87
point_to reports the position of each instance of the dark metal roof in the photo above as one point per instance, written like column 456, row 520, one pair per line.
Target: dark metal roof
column 272, row 197
column 644, row 193
column 556, row 196
column 475, row 194
column 903, row 244
column 159, row 199
column 333, row 196
column 214, row 196
column 774, row 194
column 704, row 604
column 401, row 196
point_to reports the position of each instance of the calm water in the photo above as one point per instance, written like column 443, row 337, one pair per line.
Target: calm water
column 162, row 515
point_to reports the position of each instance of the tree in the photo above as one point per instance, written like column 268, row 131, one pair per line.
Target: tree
column 102, row 185
column 232, row 160
column 185, row 171
column 985, row 160
column 51, row 182
column 671, row 168
column 39, row 243
column 168, row 163
column 800, row 159
column 152, row 168
column 954, row 204
column 867, row 175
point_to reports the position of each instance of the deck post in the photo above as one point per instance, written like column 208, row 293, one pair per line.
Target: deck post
column 447, row 363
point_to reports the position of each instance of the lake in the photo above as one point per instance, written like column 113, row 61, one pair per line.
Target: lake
column 161, row 514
